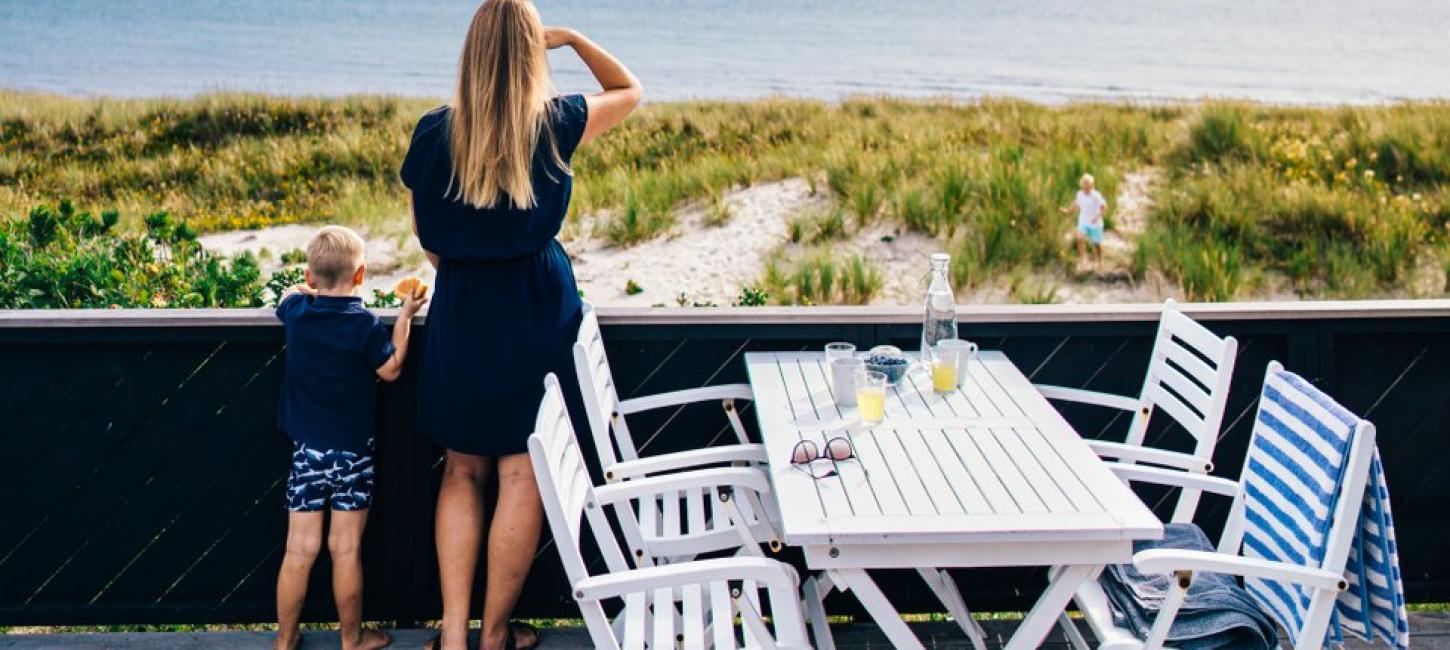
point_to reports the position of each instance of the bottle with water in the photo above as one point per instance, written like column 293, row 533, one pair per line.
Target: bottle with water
column 941, row 307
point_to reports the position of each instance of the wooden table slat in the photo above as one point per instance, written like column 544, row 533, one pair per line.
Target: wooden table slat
column 992, row 460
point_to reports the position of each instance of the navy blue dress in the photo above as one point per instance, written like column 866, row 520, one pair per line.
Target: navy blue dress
column 505, row 308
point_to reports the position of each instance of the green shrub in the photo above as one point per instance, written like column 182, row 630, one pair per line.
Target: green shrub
column 59, row 256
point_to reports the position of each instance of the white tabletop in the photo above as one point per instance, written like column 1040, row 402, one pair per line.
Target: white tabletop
column 991, row 464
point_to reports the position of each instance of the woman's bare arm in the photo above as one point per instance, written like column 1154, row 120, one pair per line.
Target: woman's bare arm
column 621, row 90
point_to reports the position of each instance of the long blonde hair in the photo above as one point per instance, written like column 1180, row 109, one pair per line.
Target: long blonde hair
column 501, row 106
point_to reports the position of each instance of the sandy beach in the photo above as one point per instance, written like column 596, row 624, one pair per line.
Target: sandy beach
column 697, row 262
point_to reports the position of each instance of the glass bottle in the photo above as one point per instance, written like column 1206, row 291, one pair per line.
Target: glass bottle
column 940, row 321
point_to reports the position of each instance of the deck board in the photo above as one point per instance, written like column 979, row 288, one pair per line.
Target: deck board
column 1431, row 631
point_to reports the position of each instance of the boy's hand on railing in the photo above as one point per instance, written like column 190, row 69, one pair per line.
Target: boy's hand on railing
column 305, row 290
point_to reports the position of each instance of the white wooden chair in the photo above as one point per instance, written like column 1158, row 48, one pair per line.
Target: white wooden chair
column 693, row 604
column 1188, row 378
column 1284, row 507
column 665, row 533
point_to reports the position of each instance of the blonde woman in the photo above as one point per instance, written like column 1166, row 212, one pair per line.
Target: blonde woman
column 490, row 182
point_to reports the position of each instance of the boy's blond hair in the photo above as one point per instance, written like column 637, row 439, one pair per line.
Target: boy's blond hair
column 1087, row 178
column 334, row 255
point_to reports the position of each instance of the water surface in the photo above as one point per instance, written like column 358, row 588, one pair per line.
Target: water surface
column 1281, row 50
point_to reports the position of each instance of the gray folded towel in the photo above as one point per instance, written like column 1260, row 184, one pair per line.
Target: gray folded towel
column 1218, row 613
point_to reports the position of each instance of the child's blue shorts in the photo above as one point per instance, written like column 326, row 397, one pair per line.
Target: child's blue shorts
column 1094, row 233
column 320, row 477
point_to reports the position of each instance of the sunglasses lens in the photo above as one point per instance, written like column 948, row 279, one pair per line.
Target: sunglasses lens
column 840, row 449
column 805, row 451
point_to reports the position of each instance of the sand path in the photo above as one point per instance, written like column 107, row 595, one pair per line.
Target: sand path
column 707, row 263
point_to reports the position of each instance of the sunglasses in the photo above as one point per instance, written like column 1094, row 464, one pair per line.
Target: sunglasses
column 806, row 452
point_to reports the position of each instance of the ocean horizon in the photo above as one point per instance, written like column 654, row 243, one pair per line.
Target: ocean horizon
column 1288, row 51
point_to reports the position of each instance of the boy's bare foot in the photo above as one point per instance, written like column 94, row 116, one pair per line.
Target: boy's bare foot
column 288, row 641
column 369, row 640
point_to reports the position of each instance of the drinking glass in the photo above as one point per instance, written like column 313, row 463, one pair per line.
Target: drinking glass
column 845, row 373
column 871, row 397
column 949, row 363
column 838, row 350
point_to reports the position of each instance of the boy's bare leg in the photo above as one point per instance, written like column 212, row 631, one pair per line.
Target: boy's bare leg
column 513, row 539
column 1081, row 249
column 304, row 540
column 458, row 531
column 344, row 545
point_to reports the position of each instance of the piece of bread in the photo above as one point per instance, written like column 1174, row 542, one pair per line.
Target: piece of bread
column 410, row 286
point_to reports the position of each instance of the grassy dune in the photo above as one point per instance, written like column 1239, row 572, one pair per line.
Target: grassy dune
column 1322, row 202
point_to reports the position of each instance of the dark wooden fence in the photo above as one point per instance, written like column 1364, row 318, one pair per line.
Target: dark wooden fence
column 141, row 474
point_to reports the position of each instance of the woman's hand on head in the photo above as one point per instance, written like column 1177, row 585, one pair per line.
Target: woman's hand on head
column 555, row 37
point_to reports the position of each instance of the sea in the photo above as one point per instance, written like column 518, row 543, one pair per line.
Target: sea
column 1280, row 51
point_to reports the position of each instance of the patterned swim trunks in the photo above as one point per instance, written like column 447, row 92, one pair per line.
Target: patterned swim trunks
column 320, row 476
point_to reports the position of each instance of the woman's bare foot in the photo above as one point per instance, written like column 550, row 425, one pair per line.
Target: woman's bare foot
column 286, row 641
column 368, row 640
column 525, row 637
column 436, row 643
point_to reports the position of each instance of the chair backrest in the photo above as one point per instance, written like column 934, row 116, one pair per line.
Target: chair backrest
column 1188, row 378
column 612, row 439
column 1303, row 485
column 565, row 486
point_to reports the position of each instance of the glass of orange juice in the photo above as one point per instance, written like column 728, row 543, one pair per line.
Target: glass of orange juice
column 949, row 363
column 871, row 397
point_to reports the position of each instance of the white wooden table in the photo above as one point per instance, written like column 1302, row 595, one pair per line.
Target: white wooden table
column 989, row 475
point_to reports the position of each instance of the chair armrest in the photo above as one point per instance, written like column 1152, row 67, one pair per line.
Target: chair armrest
column 688, row 396
column 613, row 585
column 721, row 477
column 1141, row 454
column 1175, row 478
column 683, row 460
column 1064, row 394
column 1163, row 560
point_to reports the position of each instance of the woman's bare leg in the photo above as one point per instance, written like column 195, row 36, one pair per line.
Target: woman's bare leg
column 458, row 529
column 513, row 539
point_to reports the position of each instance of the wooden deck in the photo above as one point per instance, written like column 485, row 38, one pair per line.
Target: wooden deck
column 1431, row 632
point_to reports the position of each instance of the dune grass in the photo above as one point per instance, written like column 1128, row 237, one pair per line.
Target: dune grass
column 1318, row 201
column 1346, row 202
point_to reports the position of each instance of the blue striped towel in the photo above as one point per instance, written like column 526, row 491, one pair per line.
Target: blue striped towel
column 1375, row 600
column 1299, row 456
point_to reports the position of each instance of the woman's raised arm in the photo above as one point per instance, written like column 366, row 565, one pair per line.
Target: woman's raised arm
column 621, row 90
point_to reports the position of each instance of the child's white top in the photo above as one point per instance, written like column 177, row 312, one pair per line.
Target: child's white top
column 1088, row 205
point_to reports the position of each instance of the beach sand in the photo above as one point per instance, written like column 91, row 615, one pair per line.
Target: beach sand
column 700, row 263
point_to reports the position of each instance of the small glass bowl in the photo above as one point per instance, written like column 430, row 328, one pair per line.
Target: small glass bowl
column 888, row 360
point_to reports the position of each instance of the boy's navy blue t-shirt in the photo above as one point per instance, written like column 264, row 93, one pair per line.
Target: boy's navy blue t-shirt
column 329, row 384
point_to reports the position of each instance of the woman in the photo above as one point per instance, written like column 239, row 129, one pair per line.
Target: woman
column 490, row 180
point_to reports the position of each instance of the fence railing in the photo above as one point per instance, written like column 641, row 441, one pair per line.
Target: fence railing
column 141, row 472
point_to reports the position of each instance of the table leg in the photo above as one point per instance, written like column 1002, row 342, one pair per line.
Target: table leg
column 946, row 591
column 814, row 591
column 887, row 618
column 1040, row 620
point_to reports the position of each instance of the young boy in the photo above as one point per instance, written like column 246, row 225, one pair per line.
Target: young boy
column 1091, row 208
column 336, row 351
